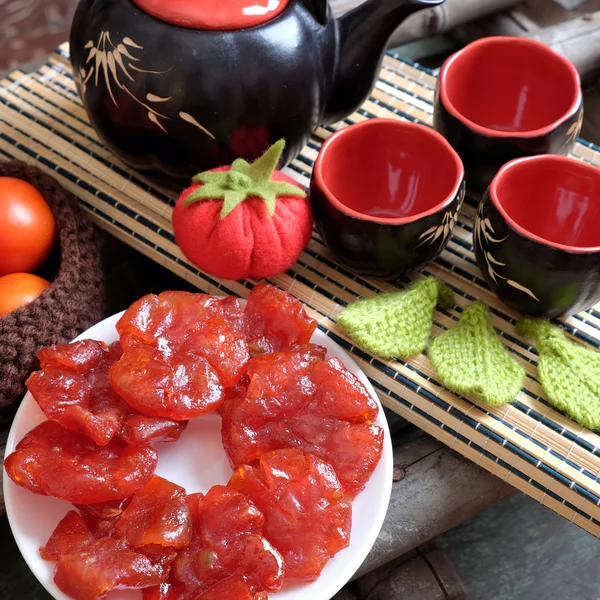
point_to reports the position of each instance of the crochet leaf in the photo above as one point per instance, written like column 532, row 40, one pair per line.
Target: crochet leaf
column 243, row 181
column 568, row 372
column 470, row 359
column 397, row 324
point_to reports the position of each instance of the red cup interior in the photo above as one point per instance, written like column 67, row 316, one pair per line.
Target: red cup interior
column 510, row 85
column 552, row 199
column 388, row 171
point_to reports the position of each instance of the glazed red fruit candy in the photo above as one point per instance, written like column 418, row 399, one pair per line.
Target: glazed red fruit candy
column 234, row 588
column 97, row 567
column 306, row 516
column 139, row 429
column 275, row 320
column 69, row 533
column 101, row 518
column 181, row 322
column 169, row 590
column 52, row 461
column 178, row 387
column 227, row 542
column 73, row 388
column 157, row 517
column 296, row 399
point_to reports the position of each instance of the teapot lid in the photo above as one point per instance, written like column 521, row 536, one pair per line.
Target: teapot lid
column 219, row 15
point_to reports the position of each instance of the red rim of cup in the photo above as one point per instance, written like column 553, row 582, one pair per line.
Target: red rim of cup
column 379, row 122
column 509, row 134
column 553, row 158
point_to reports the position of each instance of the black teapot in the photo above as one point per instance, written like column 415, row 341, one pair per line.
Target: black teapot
column 174, row 87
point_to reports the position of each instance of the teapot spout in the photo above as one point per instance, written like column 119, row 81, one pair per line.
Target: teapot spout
column 363, row 34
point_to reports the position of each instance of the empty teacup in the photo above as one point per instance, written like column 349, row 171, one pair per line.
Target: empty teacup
column 386, row 195
column 536, row 235
column 502, row 98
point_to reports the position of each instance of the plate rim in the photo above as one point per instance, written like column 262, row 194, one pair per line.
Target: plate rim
column 351, row 566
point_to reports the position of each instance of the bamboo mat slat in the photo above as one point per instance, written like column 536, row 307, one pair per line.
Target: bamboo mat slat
column 527, row 443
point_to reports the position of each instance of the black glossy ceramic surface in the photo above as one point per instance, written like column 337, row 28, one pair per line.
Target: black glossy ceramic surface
column 535, row 278
column 484, row 155
column 502, row 98
column 370, row 248
column 386, row 195
column 177, row 101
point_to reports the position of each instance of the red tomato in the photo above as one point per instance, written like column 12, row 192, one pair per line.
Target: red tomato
column 27, row 227
column 19, row 289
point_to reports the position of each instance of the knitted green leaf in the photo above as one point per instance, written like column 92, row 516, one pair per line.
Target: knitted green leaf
column 243, row 181
column 472, row 361
column 569, row 373
column 397, row 324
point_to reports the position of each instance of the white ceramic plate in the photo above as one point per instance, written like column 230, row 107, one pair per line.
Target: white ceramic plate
column 196, row 462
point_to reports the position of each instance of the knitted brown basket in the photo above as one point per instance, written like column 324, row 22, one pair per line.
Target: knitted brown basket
column 70, row 305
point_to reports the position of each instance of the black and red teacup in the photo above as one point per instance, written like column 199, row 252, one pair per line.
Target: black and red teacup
column 502, row 98
column 386, row 194
column 537, row 235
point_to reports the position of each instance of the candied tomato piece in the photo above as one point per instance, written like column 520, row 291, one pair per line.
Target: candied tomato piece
column 233, row 588
column 275, row 320
column 178, row 387
column 227, row 542
column 69, row 533
column 142, row 429
column 73, row 388
column 97, row 567
column 340, row 394
column 306, row 516
column 180, row 323
column 102, row 517
column 169, row 590
column 234, row 311
column 52, row 461
column 157, row 517
column 299, row 400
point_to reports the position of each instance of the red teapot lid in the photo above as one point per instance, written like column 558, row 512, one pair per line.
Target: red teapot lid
column 213, row 14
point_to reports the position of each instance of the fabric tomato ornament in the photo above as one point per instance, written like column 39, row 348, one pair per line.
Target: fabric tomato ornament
column 244, row 221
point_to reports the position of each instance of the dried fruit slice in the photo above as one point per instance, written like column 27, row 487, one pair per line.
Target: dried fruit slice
column 279, row 384
column 275, row 320
column 233, row 588
column 181, row 322
column 169, row 590
column 101, row 518
column 306, row 516
column 340, row 394
column 296, row 399
column 73, row 388
column 354, row 449
column 52, row 461
column 227, row 542
column 69, row 533
column 98, row 567
column 178, row 387
column 139, row 429
column 157, row 517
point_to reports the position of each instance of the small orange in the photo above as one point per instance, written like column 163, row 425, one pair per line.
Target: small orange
column 27, row 227
column 19, row 289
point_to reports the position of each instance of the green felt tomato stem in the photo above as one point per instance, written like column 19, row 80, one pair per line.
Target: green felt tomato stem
column 244, row 180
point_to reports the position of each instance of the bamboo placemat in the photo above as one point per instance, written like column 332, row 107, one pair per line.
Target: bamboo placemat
column 527, row 443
